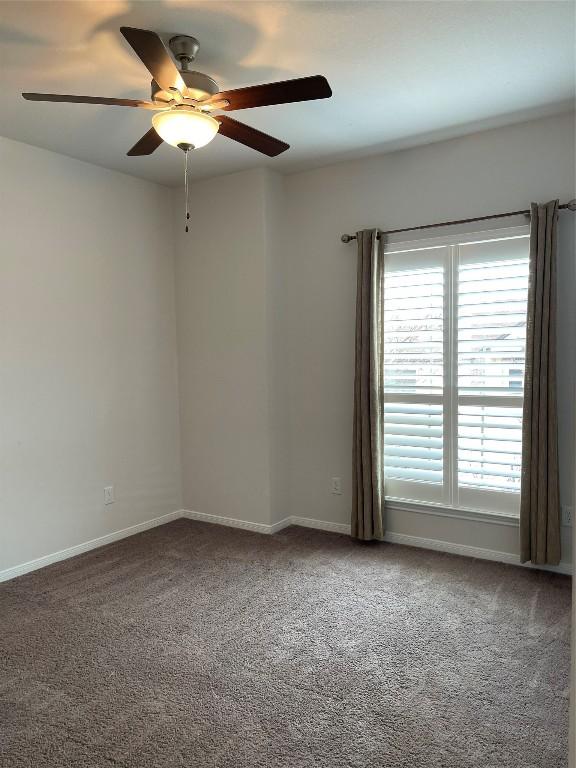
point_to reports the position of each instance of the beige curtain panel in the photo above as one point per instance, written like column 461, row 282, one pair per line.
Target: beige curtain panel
column 539, row 503
column 368, row 455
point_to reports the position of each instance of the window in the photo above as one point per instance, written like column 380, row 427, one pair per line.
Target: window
column 454, row 349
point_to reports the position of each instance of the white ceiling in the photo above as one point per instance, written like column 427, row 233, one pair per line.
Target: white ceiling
column 402, row 73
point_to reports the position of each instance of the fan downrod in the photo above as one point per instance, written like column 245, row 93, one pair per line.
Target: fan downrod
column 185, row 48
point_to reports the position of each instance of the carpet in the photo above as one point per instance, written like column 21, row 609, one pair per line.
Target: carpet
column 209, row 647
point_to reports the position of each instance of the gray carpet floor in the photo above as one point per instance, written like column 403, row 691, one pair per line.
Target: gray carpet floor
column 207, row 647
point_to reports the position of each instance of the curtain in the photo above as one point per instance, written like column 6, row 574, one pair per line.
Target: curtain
column 539, row 502
column 368, row 457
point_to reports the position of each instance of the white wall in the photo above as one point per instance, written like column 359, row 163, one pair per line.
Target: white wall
column 88, row 385
column 221, row 283
column 289, row 296
column 280, row 457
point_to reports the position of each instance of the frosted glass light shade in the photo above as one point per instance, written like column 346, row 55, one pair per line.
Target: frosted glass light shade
column 185, row 126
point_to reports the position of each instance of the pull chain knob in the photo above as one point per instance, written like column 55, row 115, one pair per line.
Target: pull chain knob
column 186, row 151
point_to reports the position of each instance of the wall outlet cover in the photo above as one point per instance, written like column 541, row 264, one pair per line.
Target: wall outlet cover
column 567, row 513
column 109, row 494
column 336, row 485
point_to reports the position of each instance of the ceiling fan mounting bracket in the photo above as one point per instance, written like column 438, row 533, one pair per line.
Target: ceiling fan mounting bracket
column 185, row 49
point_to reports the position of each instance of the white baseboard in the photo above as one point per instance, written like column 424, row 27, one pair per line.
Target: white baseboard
column 306, row 522
column 468, row 551
column 78, row 549
column 233, row 523
column 264, row 527
column 321, row 525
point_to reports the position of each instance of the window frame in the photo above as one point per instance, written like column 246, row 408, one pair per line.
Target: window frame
column 450, row 495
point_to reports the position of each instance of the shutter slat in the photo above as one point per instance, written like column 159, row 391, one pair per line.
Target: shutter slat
column 412, row 441
column 477, row 455
column 489, row 483
column 495, row 297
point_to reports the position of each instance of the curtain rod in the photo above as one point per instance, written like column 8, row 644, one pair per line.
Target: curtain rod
column 571, row 206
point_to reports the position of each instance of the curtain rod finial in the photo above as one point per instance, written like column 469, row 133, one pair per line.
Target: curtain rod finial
column 571, row 205
column 346, row 238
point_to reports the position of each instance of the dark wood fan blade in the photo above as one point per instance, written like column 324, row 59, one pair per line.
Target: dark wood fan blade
column 151, row 51
column 60, row 97
column 146, row 145
column 250, row 137
column 287, row 91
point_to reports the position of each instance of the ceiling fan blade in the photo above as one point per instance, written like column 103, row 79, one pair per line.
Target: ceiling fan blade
column 151, row 51
column 250, row 137
column 284, row 92
column 61, row 97
column 146, row 145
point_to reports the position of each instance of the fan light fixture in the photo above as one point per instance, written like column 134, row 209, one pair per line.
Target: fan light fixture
column 185, row 128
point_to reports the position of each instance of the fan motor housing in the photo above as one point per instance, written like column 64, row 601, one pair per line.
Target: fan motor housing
column 198, row 86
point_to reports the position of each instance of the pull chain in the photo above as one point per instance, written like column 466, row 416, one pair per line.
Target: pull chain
column 186, row 152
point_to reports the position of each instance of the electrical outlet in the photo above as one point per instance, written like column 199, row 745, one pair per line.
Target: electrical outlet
column 109, row 495
column 567, row 515
column 336, row 485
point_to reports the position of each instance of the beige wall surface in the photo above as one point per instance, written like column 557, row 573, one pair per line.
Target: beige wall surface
column 221, row 285
column 88, row 379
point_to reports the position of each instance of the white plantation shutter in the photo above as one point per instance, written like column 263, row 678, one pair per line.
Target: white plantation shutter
column 414, row 319
column 454, row 350
column 492, row 293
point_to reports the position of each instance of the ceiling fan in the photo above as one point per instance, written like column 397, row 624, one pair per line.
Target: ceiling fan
column 185, row 100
